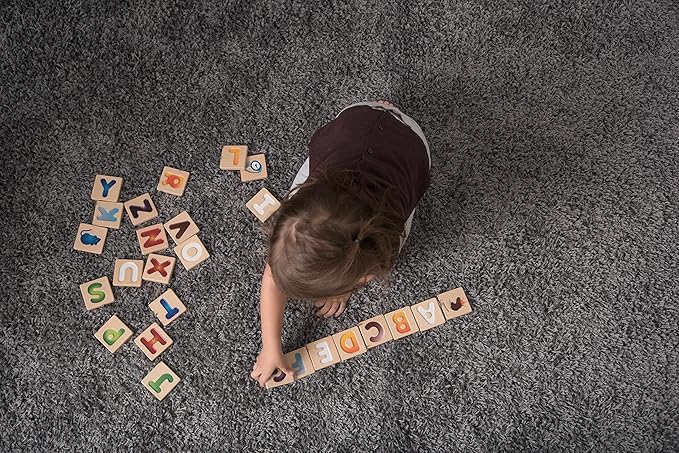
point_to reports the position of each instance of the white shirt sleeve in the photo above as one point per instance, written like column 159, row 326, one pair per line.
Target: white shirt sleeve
column 301, row 177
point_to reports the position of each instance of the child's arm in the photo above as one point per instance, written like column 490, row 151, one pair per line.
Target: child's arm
column 271, row 307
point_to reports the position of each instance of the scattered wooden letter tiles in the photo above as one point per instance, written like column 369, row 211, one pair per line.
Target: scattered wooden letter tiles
column 108, row 213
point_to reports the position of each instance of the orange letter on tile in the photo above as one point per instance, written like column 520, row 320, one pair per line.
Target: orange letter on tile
column 401, row 322
column 349, row 343
column 172, row 180
column 236, row 154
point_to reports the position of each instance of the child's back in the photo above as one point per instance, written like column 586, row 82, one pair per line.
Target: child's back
column 349, row 210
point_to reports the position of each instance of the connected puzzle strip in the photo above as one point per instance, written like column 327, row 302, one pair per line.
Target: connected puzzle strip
column 370, row 333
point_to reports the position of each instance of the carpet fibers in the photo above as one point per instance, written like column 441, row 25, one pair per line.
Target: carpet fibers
column 554, row 129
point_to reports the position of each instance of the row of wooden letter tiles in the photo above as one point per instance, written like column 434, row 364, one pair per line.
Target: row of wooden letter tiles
column 372, row 332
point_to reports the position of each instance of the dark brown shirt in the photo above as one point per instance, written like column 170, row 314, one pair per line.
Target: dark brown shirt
column 382, row 151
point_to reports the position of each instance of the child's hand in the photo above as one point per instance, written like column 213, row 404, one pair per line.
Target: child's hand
column 332, row 306
column 267, row 362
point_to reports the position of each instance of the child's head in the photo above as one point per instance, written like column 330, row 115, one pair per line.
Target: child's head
column 327, row 240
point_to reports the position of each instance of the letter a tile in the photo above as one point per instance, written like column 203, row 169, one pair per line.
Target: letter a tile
column 113, row 334
column 153, row 341
column 160, row 381
column 181, row 227
column 173, row 181
column 428, row 314
column 263, row 205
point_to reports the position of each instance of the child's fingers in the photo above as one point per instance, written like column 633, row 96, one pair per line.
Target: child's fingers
column 255, row 374
column 332, row 311
column 282, row 368
column 263, row 378
column 324, row 309
column 341, row 309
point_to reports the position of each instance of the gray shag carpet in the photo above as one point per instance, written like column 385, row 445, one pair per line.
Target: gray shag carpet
column 554, row 202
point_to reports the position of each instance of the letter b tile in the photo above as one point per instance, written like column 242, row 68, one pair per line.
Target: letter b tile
column 401, row 322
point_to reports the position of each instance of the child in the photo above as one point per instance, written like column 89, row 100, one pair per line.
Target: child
column 345, row 219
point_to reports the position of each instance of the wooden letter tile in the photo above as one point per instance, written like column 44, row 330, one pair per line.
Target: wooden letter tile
column 141, row 209
column 375, row 331
column 255, row 168
column 127, row 272
column 428, row 314
column 113, row 334
column 263, row 205
column 167, row 307
column 300, row 362
column 191, row 252
column 160, row 381
column 401, row 322
column 108, row 214
column 159, row 268
column 97, row 293
column 152, row 239
column 106, row 188
column 181, row 227
column 90, row 238
column 279, row 378
column 323, row 353
column 233, row 157
column 349, row 343
column 173, row 181
column 454, row 303
column 153, row 341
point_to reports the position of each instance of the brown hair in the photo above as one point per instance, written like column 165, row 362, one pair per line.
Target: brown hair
column 328, row 235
